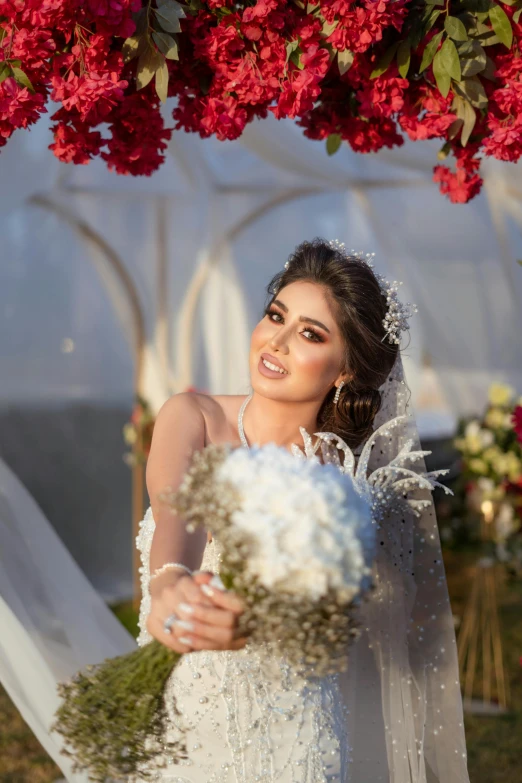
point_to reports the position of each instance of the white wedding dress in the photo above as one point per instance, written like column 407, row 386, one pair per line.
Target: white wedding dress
column 247, row 716
column 394, row 717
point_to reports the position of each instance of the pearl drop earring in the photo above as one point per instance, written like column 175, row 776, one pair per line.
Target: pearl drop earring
column 338, row 393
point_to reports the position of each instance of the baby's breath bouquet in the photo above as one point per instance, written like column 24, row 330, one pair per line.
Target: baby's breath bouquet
column 297, row 543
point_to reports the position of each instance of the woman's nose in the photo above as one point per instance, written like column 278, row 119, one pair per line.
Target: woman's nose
column 278, row 343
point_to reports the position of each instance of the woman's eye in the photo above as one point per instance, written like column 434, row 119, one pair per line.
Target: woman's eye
column 309, row 334
column 314, row 336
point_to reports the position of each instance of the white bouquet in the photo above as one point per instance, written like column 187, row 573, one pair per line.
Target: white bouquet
column 297, row 543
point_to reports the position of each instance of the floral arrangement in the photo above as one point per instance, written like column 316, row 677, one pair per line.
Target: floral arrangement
column 491, row 450
column 137, row 433
column 365, row 72
column 297, row 542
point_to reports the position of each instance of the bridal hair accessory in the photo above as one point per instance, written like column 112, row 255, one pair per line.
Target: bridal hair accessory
column 396, row 319
column 338, row 393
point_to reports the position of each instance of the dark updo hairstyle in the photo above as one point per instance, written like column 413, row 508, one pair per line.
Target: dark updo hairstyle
column 359, row 308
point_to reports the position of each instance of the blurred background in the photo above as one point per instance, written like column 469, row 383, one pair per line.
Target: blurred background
column 116, row 293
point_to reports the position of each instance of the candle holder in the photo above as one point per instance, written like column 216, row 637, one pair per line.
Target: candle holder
column 481, row 661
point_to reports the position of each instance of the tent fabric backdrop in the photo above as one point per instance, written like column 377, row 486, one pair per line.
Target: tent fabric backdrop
column 207, row 231
column 111, row 285
column 200, row 239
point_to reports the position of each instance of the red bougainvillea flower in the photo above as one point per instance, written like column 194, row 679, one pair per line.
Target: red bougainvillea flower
column 138, row 135
column 517, row 422
column 19, row 107
column 323, row 64
column 75, row 144
column 460, row 185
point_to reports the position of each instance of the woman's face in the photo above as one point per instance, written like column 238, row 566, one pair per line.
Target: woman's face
column 296, row 350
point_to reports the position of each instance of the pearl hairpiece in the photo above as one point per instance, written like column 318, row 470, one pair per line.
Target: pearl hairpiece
column 396, row 319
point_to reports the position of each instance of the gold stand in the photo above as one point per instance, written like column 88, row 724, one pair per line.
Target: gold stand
column 480, row 639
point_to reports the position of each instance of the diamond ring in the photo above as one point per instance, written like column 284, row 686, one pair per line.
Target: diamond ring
column 169, row 621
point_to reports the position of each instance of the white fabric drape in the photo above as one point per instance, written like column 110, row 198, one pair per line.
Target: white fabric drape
column 52, row 620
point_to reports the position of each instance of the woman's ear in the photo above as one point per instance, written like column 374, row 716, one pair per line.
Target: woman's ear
column 345, row 377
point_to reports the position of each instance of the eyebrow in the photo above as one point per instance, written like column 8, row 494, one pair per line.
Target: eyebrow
column 303, row 318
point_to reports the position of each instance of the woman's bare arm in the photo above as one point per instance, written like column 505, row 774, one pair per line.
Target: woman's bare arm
column 179, row 432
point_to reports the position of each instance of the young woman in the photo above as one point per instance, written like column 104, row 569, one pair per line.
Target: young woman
column 324, row 356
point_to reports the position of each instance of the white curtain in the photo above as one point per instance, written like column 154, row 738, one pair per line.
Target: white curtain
column 52, row 620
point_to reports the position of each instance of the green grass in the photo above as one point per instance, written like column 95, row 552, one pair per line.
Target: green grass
column 494, row 743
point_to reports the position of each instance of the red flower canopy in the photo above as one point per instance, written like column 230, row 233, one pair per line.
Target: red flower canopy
column 365, row 72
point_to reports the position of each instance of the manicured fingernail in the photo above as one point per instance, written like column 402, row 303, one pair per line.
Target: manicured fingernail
column 187, row 608
column 184, row 640
column 207, row 590
column 185, row 624
column 216, row 582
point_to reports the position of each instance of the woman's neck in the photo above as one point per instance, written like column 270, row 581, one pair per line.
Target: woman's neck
column 276, row 421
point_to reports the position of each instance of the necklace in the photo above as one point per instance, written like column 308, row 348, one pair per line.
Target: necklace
column 240, row 429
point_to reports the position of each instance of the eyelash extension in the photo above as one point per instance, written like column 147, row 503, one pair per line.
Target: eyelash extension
column 318, row 338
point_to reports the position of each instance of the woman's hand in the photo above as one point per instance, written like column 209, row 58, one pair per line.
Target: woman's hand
column 207, row 615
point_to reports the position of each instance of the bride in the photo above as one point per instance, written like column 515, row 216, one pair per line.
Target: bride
column 325, row 356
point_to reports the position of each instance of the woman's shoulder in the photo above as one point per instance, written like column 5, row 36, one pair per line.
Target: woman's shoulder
column 216, row 413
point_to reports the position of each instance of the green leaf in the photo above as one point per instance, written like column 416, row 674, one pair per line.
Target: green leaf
column 148, row 64
column 333, row 142
column 5, row 71
column 142, row 23
column 167, row 45
column 441, row 75
column 519, row 261
column 435, row 2
column 489, row 39
column 162, row 81
column 22, row 79
column 436, row 12
column 344, row 60
column 328, row 28
column 473, row 91
column 516, row 15
column 290, row 48
column 455, row 29
column 467, row 114
column 404, row 58
column 490, row 70
column 133, row 47
column 501, row 25
column 473, row 58
column 168, row 18
column 450, row 59
column 178, row 8
column 454, row 128
column 384, row 63
column 295, row 57
column 477, row 6
column 429, row 51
